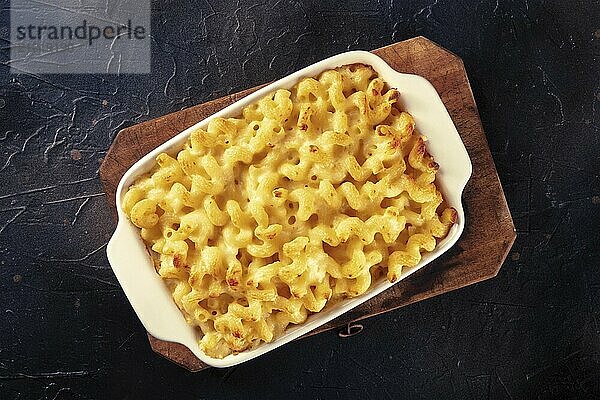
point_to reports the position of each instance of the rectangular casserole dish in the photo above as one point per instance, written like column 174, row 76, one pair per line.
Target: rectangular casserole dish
column 148, row 293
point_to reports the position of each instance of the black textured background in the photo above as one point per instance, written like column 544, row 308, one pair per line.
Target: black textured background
column 68, row 332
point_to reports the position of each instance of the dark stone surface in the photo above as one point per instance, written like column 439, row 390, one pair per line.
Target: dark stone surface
column 68, row 332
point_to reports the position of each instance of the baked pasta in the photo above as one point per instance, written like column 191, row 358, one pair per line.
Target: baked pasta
column 306, row 197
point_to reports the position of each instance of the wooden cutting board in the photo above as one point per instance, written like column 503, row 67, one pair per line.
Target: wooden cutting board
column 489, row 232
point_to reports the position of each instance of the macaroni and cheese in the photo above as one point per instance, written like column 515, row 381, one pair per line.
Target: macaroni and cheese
column 305, row 198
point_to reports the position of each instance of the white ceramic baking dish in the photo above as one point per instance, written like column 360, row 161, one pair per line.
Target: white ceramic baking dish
column 149, row 295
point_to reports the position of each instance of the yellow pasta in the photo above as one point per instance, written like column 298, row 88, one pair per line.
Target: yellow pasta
column 302, row 200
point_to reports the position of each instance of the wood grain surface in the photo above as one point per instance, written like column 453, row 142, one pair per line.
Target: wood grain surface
column 489, row 232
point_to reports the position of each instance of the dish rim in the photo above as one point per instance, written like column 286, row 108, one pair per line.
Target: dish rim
column 118, row 252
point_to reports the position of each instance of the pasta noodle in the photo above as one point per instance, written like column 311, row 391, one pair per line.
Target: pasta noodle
column 305, row 198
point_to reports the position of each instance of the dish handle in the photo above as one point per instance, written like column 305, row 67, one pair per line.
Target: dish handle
column 150, row 297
